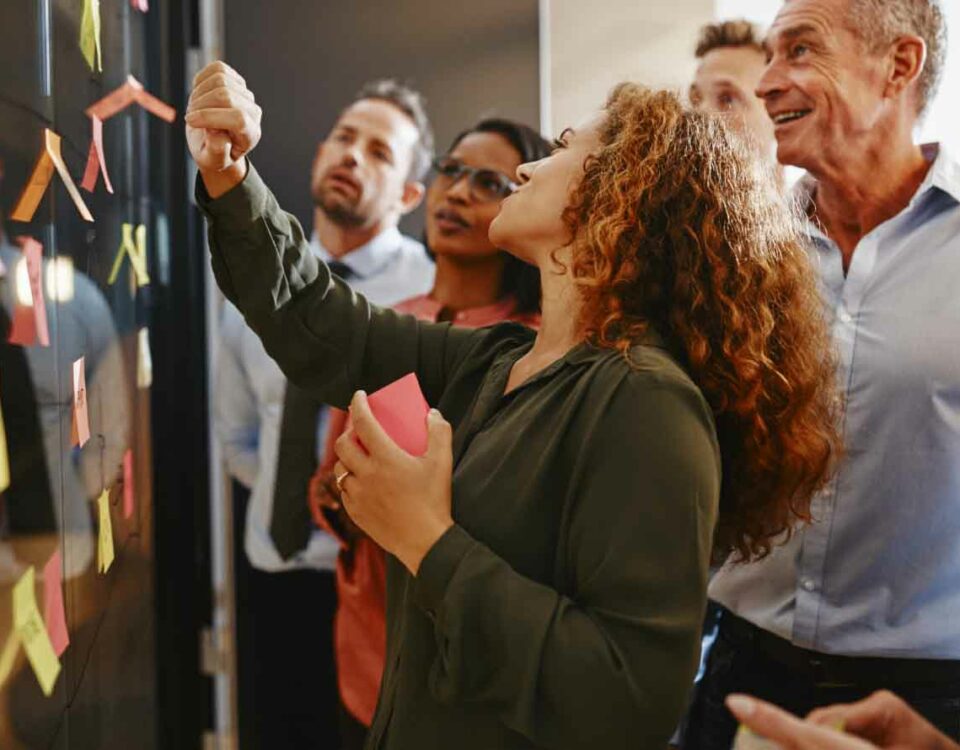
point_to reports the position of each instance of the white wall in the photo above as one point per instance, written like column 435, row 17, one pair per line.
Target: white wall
column 595, row 44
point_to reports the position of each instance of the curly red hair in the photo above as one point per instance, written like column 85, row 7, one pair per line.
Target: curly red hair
column 678, row 227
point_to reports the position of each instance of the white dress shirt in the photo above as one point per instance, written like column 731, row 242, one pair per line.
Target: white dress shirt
column 248, row 403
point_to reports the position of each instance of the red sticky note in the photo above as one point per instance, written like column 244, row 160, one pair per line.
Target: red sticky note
column 401, row 410
column 96, row 161
column 53, row 612
column 81, row 424
column 30, row 316
column 128, row 484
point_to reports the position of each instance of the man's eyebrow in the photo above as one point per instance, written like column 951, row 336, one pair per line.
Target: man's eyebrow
column 788, row 34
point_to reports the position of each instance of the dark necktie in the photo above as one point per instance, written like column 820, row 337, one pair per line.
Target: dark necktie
column 290, row 521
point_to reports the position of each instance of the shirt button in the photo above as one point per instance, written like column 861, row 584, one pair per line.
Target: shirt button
column 808, row 584
column 845, row 317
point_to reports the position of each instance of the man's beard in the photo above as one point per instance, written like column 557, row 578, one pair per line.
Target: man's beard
column 339, row 211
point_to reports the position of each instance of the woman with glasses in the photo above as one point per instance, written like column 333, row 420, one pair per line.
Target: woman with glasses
column 475, row 285
column 548, row 554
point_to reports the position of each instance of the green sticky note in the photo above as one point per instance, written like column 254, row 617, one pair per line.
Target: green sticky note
column 90, row 35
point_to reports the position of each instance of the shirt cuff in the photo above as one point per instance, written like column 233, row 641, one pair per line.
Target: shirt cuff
column 240, row 206
column 438, row 566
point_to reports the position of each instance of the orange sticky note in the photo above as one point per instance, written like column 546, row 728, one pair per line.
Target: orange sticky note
column 50, row 158
column 105, row 542
column 81, row 424
column 128, row 484
column 53, row 610
column 135, row 250
column 33, row 634
column 4, row 456
column 90, row 35
column 123, row 96
column 401, row 410
column 96, row 161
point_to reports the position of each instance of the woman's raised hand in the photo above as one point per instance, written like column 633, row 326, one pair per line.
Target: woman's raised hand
column 223, row 126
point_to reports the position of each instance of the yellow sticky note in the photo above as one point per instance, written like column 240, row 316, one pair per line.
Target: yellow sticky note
column 90, row 34
column 136, row 250
column 144, row 360
column 4, row 457
column 105, row 543
column 33, row 633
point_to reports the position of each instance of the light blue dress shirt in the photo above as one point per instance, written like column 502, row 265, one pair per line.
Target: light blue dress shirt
column 878, row 573
column 248, row 403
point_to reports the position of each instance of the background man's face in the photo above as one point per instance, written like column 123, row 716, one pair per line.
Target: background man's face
column 362, row 167
column 726, row 82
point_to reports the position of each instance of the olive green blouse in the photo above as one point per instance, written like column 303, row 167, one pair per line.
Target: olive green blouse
column 564, row 607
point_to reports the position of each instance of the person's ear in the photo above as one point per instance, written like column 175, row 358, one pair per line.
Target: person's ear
column 908, row 55
column 413, row 193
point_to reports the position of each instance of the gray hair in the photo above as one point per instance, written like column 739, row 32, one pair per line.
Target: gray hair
column 881, row 22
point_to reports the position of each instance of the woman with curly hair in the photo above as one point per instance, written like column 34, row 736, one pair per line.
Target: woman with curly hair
column 549, row 552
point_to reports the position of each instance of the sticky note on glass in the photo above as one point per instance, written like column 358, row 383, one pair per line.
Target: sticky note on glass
column 123, row 96
column 50, row 159
column 4, row 455
column 96, row 160
column 401, row 410
column 133, row 246
column 128, row 484
column 53, row 610
column 30, row 311
column 33, row 633
column 105, row 541
column 80, row 433
column 142, row 5
column 144, row 359
column 90, row 35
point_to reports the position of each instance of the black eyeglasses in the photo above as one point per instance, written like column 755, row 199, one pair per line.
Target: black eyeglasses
column 486, row 185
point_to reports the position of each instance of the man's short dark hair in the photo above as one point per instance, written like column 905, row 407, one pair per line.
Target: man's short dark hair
column 737, row 33
column 410, row 102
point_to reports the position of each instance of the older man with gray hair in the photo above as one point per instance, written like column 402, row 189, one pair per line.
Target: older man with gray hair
column 866, row 597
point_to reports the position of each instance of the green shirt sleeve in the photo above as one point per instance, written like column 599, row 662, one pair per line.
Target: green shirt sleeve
column 326, row 338
column 596, row 666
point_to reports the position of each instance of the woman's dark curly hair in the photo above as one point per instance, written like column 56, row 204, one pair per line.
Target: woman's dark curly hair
column 680, row 229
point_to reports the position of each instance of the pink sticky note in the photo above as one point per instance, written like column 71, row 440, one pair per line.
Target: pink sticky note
column 33, row 254
column 96, row 161
column 128, row 484
column 53, row 611
column 401, row 410
column 81, row 424
column 142, row 5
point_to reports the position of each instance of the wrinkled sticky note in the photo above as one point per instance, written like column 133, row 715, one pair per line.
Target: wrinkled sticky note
column 136, row 250
column 81, row 423
column 33, row 633
column 90, row 35
column 96, row 160
column 105, row 542
column 50, row 159
column 401, row 410
column 4, row 456
column 123, row 96
column 128, row 484
column 53, row 611
column 144, row 359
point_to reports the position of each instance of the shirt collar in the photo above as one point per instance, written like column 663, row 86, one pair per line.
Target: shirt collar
column 368, row 259
column 943, row 175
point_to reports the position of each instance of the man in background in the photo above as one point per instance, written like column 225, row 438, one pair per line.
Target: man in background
column 731, row 64
column 366, row 175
